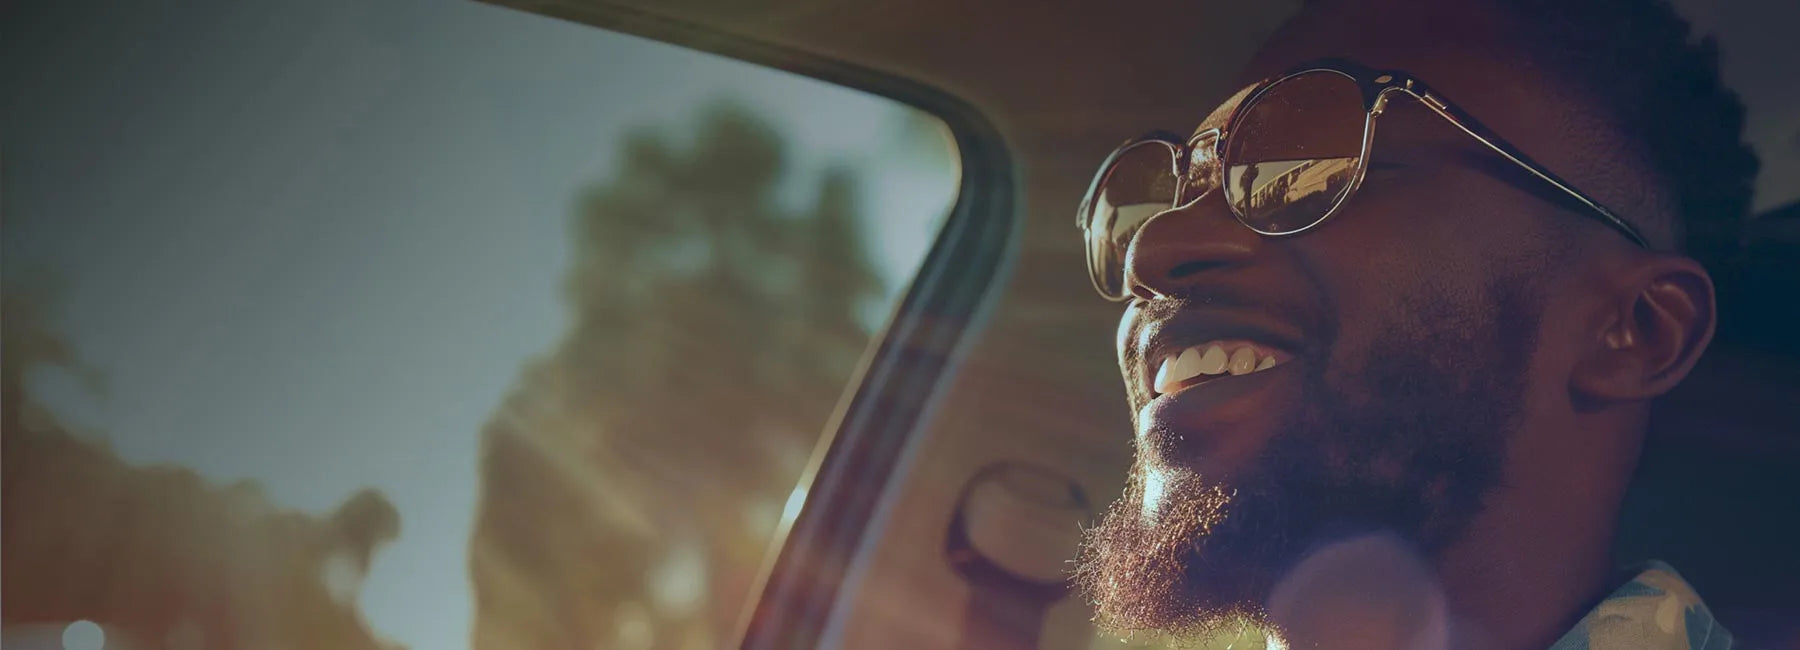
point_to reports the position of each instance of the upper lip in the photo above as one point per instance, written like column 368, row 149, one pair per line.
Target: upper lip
column 1158, row 338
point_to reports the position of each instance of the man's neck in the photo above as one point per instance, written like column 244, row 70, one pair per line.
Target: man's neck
column 1540, row 553
column 1526, row 574
column 1529, row 566
column 1515, row 588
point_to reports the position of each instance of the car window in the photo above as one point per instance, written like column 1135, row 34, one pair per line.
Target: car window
column 423, row 324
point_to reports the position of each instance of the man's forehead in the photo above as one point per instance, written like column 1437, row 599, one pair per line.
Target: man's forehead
column 1452, row 40
column 1472, row 55
column 1465, row 51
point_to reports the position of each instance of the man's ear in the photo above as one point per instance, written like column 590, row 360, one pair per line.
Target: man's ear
column 1652, row 332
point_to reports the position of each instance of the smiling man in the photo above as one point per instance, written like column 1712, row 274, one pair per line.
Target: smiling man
column 1396, row 311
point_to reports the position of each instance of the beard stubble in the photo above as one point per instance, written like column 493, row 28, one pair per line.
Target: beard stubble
column 1413, row 454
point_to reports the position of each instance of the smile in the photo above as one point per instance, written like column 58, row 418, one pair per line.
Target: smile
column 1191, row 366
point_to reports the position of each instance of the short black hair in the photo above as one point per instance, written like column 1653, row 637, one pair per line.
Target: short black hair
column 1639, row 61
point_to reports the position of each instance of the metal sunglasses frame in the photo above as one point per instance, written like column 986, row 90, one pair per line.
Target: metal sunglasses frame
column 1203, row 153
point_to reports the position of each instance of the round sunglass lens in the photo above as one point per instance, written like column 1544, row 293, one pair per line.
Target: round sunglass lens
column 1138, row 184
column 1291, row 156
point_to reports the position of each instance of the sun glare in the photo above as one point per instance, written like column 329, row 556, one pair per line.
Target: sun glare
column 1155, row 482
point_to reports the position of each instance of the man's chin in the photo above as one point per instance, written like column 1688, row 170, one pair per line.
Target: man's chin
column 1189, row 566
column 1204, row 557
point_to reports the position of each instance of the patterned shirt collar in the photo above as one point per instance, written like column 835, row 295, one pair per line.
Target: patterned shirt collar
column 1656, row 610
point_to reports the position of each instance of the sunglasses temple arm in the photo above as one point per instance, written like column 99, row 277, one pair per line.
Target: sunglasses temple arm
column 1475, row 130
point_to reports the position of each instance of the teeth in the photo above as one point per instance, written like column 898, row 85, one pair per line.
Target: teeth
column 1164, row 383
column 1213, row 362
column 1243, row 362
column 1210, row 359
column 1178, row 369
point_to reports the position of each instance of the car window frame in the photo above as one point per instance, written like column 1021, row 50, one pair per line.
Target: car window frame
column 891, row 396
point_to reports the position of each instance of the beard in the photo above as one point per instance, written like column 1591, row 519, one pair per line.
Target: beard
column 1410, row 450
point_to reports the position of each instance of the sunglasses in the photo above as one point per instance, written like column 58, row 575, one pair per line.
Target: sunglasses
column 1287, row 158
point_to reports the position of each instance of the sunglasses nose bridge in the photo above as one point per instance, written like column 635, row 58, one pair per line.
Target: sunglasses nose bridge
column 1200, row 168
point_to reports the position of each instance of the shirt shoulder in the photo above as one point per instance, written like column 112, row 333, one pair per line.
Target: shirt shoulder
column 1655, row 610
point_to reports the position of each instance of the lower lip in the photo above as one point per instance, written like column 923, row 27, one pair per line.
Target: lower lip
column 1220, row 417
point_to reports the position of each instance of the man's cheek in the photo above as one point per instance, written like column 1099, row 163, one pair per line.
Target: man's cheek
column 1384, row 333
column 1343, row 373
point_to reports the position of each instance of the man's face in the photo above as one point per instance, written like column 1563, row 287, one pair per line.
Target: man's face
column 1407, row 332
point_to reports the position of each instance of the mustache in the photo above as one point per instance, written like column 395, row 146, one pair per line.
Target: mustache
column 1319, row 332
column 1204, row 298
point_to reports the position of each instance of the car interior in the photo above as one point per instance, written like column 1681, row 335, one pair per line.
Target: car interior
column 1035, row 93
column 985, row 424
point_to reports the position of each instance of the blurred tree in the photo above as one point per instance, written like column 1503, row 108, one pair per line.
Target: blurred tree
column 156, row 554
column 632, row 478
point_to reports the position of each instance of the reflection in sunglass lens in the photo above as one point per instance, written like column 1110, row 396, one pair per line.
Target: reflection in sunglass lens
column 1291, row 155
column 1139, row 183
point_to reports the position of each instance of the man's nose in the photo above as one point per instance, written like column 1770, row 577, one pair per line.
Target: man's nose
column 1177, row 250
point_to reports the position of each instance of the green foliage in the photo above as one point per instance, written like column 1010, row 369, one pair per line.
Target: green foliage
column 158, row 552
column 711, row 334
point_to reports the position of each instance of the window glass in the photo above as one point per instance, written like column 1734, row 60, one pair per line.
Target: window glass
column 421, row 323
